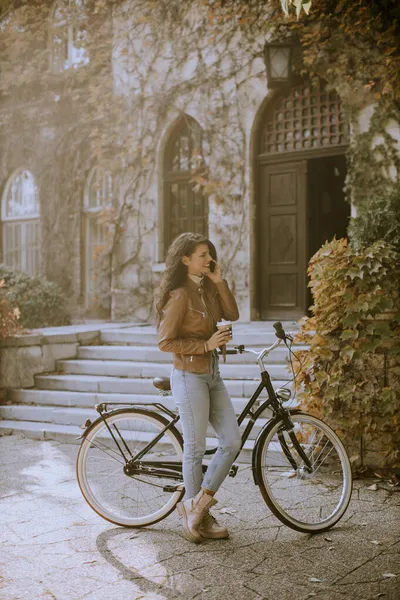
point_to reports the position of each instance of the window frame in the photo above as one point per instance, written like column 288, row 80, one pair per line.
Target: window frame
column 26, row 223
column 182, row 178
column 89, row 218
column 70, row 24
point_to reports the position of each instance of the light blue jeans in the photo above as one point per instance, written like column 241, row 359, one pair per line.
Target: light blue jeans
column 203, row 399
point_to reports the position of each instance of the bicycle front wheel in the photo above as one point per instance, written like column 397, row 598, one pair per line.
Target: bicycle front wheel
column 310, row 500
column 137, row 498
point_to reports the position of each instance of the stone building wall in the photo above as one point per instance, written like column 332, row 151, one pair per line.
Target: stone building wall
column 45, row 126
column 221, row 87
column 36, row 141
column 220, row 82
column 163, row 67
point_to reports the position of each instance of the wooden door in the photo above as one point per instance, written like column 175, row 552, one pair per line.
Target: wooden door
column 282, row 257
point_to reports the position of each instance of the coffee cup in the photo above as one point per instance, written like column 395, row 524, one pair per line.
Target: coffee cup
column 225, row 326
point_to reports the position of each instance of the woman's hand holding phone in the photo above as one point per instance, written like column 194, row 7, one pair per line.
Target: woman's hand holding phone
column 215, row 272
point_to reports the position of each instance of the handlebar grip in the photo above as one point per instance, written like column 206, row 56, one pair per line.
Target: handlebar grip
column 279, row 332
column 235, row 350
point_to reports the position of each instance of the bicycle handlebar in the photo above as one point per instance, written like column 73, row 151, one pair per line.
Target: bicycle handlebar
column 279, row 331
column 280, row 334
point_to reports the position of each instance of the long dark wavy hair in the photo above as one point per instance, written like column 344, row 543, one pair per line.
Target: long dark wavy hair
column 175, row 274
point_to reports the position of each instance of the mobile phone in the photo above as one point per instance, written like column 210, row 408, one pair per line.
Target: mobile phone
column 212, row 266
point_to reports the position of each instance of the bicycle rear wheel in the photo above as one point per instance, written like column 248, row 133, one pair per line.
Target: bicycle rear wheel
column 131, row 500
column 307, row 500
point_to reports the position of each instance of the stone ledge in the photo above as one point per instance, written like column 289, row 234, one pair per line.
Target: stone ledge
column 24, row 356
column 19, row 365
column 60, row 335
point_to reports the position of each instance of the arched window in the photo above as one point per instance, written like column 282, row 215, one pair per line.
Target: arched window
column 184, row 208
column 68, row 35
column 309, row 117
column 20, row 214
column 98, row 198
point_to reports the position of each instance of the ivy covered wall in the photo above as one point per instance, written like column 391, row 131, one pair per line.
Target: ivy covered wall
column 166, row 73
column 150, row 64
column 175, row 62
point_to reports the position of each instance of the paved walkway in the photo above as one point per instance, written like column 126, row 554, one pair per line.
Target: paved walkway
column 53, row 547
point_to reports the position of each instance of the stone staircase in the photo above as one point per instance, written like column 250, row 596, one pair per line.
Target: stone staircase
column 120, row 369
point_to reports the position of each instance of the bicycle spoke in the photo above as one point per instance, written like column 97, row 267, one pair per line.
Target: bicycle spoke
column 306, row 499
column 122, row 498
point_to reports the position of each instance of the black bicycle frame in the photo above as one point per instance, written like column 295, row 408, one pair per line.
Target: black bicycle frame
column 173, row 470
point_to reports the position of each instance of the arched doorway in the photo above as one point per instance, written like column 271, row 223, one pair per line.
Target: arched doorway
column 301, row 171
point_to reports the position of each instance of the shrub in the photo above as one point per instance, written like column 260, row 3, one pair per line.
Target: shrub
column 8, row 315
column 41, row 303
column 350, row 374
column 377, row 221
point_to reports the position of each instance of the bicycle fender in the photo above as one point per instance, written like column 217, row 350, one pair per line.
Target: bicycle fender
column 122, row 410
column 96, row 421
column 87, row 428
column 264, row 431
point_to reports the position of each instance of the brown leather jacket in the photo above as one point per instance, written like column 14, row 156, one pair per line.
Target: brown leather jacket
column 186, row 324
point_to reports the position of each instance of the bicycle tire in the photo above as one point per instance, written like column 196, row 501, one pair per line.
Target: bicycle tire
column 114, row 495
column 306, row 502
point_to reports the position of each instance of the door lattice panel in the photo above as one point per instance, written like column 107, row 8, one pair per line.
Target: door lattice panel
column 309, row 117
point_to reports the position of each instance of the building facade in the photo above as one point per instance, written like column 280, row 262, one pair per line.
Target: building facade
column 181, row 131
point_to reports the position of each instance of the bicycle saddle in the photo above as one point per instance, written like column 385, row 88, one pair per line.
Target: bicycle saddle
column 162, row 383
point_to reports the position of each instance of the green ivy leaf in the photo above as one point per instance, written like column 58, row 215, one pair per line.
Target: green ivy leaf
column 322, row 377
column 362, row 307
column 386, row 303
column 382, row 328
column 347, row 353
column 353, row 273
column 370, row 328
column 351, row 319
column 349, row 334
column 372, row 345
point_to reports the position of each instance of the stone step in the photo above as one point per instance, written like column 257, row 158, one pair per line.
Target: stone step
column 252, row 334
column 113, row 368
column 71, row 433
column 48, row 414
column 42, row 431
column 82, row 399
column 153, row 354
column 77, row 416
column 127, row 385
column 122, row 372
column 56, row 398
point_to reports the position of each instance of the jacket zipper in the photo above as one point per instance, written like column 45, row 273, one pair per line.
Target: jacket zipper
column 203, row 314
column 211, row 314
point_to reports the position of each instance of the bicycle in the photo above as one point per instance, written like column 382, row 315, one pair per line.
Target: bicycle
column 129, row 464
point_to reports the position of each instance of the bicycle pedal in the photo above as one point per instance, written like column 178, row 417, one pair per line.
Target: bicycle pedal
column 172, row 488
column 233, row 471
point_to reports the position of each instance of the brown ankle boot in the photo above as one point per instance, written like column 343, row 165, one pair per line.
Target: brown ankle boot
column 210, row 528
column 192, row 512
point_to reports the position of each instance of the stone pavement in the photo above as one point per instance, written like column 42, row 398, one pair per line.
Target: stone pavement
column 54, row 547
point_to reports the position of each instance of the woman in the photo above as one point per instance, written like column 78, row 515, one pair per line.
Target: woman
column 192, row 298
